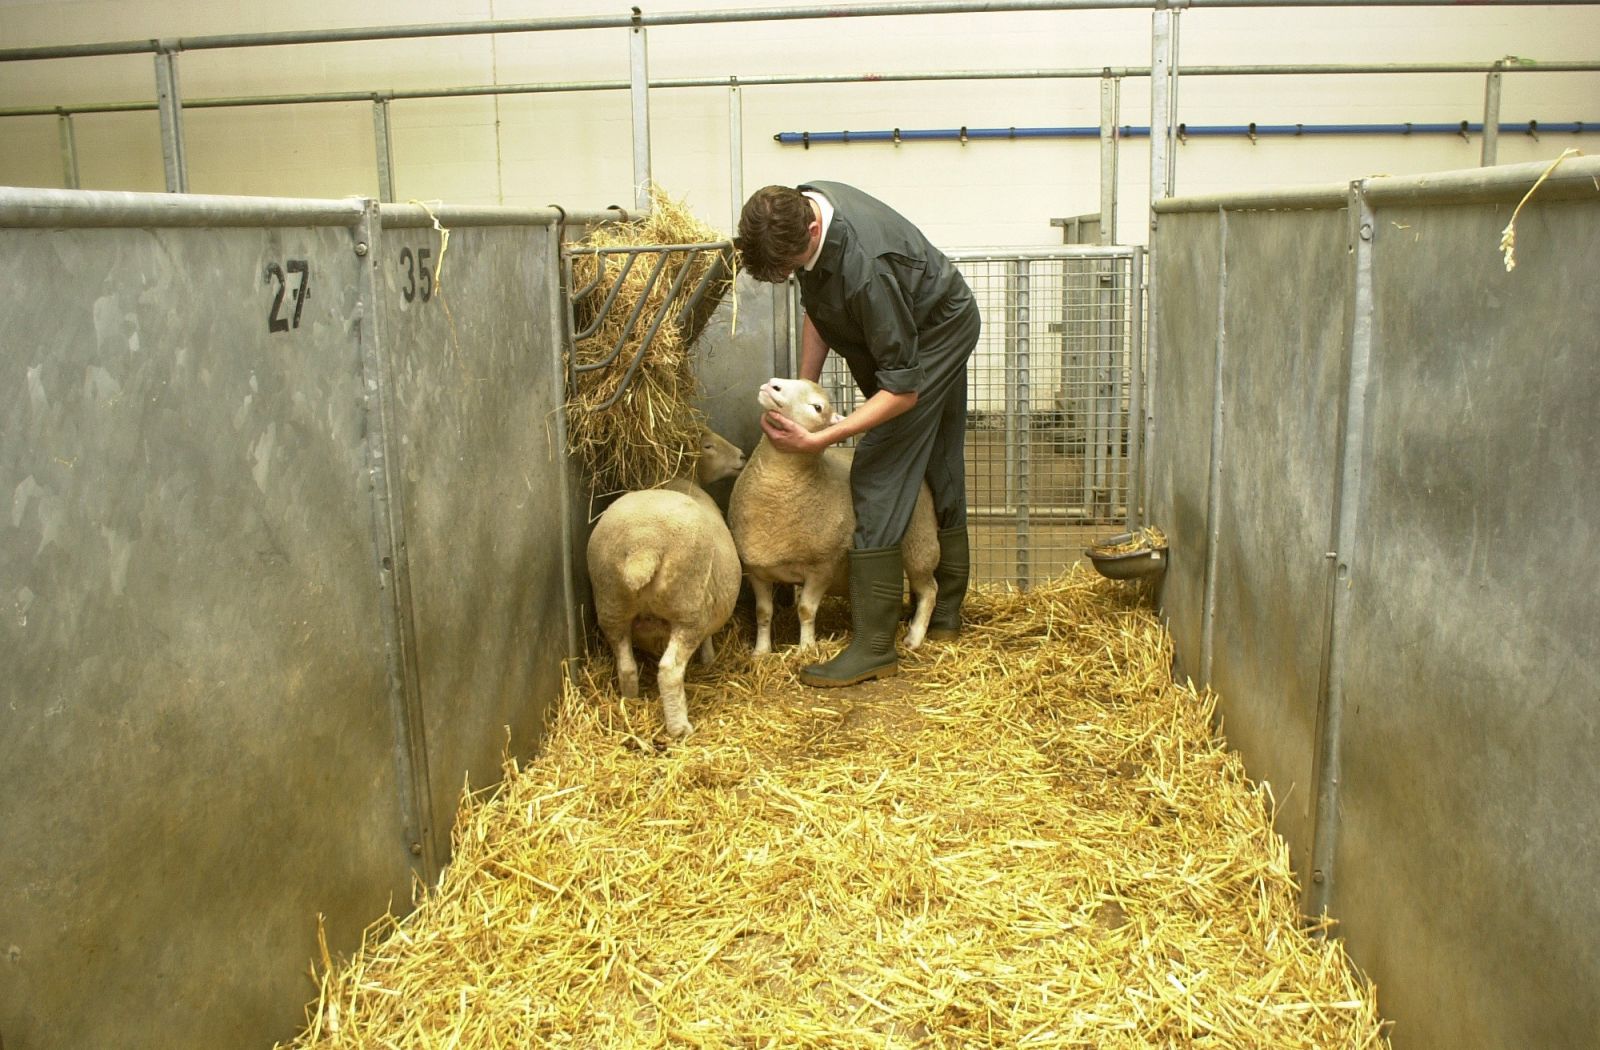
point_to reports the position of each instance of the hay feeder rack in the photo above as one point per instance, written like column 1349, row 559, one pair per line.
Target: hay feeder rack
column 693, row 309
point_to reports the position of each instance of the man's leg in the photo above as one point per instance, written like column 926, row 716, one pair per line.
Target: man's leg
column 947, row 478
column 885, row 479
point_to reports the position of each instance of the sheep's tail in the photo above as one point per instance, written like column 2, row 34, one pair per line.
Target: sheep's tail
column 640, row 568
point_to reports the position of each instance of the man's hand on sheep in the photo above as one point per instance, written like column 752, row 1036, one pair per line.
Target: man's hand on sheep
column 789, row 436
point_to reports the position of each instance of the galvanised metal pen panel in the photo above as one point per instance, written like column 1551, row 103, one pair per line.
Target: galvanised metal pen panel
column 475, row 396
column 1468, row 820
column 1282, row 353
column 1185, row 260
column 196, row 737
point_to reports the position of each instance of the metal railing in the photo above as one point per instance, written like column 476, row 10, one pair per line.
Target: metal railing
column 1163, row 71
column 1055, row 393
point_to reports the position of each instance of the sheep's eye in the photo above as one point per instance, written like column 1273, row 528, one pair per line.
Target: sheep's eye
column 816, row 407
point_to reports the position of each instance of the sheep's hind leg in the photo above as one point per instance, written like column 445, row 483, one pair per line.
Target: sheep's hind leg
column 708, row 652
column 926, row 590
column 763, row 592
column 621, row 641
column 669, row 678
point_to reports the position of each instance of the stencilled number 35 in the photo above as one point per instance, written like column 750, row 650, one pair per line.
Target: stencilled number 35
column 419, row 278
column 296, row 284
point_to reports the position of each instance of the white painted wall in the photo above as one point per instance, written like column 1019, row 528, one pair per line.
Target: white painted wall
column 575, row 148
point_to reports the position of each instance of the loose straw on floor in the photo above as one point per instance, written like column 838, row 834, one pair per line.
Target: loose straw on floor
column 1030, row 838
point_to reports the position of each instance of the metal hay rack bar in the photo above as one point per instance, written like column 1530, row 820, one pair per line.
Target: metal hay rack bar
column 686, row 317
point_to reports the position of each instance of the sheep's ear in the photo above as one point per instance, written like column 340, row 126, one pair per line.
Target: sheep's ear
column 837, row 418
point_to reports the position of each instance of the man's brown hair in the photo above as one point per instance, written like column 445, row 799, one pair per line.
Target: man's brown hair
column 772, row 231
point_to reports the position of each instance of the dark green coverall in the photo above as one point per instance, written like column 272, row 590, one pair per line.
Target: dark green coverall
column 902, row 317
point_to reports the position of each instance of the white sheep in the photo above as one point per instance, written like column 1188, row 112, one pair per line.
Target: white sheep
column 792, row 519
column 665, row 573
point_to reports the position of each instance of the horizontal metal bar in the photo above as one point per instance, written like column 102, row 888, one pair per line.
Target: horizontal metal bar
column 1460, row 127
column 640, row 249
column 399, row 216
column 537, row 25
column 1308, row 198
column 111, row 208
column 1130, row 131
column 1006, row 514
column 1065, row 251
column 1575, row 178
column 107, row 208
column 779, row 80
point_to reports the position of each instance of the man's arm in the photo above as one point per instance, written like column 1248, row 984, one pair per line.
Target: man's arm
column 813, row 351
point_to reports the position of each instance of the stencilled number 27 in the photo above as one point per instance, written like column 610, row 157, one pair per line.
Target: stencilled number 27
column 296, row 284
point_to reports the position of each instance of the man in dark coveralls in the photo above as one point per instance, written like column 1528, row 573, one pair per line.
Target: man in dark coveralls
column 876, row 292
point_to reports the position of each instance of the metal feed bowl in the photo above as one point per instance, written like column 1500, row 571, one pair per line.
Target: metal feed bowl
column 1146, row 560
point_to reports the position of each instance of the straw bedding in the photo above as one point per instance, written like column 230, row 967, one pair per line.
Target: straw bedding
column 1029, row 838
column 652, row 433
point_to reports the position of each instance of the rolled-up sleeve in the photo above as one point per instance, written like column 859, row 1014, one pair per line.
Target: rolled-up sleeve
column 884, row 313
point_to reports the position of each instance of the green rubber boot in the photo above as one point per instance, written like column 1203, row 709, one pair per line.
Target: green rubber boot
column 955, row 564
column 876, row 584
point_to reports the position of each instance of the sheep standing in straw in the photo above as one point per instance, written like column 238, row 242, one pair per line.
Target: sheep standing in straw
column 665, row 573
column 792, row 520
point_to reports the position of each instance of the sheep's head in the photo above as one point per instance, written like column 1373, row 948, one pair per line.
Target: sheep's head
column 719, row 458
column 800, row 400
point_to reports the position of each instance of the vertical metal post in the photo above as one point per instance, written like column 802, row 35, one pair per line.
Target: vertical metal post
column 385, row 147
column 1008, row 364
column 385, row 488
column 735, row 150
column 1208, row 610
column 639, row 91
column 1163, row 88
column 1136, row 392
column 1163, row 98
column 170, row 103
column 1172, row 98
column 1110, row 138
column 1108, row 462
column 1327, row 773
column 1109, row 295
column 559, row 310
column 69, row 151
column 1491, row 117
column 1024, row 428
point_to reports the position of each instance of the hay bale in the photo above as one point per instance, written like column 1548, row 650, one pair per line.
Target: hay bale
column 652, row 433
column 1029, row 838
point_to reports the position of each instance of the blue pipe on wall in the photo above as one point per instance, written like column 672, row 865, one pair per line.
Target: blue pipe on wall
column 1128, row 131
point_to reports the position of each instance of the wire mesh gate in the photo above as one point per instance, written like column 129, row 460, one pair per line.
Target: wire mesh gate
column 1057, row 376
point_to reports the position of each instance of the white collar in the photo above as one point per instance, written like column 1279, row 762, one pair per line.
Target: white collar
column 826, row 207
